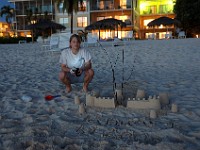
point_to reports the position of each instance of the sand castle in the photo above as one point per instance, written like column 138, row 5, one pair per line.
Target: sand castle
column 152, row 103
column 140, row 102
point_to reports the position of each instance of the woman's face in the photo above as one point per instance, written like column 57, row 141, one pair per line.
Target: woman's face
column 75, row 45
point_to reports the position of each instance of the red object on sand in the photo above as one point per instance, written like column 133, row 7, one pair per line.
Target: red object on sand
column 50, row 97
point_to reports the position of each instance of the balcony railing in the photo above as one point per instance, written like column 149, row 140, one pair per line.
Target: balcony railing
column 156, row 12
column 109, row 7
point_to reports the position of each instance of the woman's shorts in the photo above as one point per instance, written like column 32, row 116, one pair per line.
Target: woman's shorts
column 75, row 79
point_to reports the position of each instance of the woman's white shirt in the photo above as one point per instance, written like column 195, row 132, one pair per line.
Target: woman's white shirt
column 74, row 60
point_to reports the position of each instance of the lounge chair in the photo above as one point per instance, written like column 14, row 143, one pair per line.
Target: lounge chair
column 181, row 35
column 91, row 40
column 39, row 39
column 168, row 35
column 151, row 36
column 64, row 40
column 117, row 42
column 53, row 44
column 129, row 36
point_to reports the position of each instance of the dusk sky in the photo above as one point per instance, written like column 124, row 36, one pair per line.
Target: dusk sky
column 4, row 3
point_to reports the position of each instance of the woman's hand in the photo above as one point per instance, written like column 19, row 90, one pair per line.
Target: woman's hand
column 73, row 71
column 79, row 72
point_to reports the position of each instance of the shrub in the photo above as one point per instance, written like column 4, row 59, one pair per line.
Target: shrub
column 14, row 40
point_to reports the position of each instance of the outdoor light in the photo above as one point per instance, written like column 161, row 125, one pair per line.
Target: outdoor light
column 161, row 26
column 142, row 6
column 33, row 21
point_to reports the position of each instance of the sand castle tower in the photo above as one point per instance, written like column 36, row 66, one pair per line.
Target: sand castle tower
column 140, row 94
column 77, row 100
column 164, row 98
column 152, row 114
column 81, row 108
column 174, row 108
column 118, row 96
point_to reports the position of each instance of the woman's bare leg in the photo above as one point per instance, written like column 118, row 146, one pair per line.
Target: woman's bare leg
column 64, row 79
column 87, row 79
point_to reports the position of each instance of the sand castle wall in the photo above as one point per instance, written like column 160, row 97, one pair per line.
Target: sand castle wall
column 150, row 103
column 100, row 101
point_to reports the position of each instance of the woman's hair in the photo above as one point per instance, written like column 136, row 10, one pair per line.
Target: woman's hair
column 75, row 36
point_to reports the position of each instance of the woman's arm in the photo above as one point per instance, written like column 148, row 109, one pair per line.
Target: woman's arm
column 65, row 68
column 87, row 65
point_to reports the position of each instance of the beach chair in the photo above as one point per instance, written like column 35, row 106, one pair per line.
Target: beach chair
column 52, row 46
column 151, row 36
column 46, row 40
column 129, row 36
column 168, row 35
column 181, row 35
column 39, row 39
column 117, row 42
column 64, row 40
column 91, row 41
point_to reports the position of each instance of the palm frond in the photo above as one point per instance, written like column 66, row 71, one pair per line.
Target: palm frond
column 8, row 12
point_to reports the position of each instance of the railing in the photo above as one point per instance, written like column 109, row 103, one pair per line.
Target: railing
column 109, row 7
column 144, row 12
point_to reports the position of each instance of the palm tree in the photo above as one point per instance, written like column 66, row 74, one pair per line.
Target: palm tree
column 70, row 6
column 29, row 14
column 9, row 13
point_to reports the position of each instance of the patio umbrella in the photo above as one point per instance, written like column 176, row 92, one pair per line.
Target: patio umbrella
column 166, row 21
column 109, row 23
column 113, row 22
column 162, row 20
column 45, row 24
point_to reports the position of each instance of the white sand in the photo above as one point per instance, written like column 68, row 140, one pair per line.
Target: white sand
column 171, row 66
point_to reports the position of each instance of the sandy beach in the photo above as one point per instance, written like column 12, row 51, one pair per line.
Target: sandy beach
column 171, row 66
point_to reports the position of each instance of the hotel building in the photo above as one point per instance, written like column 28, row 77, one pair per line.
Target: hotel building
column 135, row 13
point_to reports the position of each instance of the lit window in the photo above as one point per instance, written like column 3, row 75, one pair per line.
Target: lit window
column 83, row 7
column 163, row 9
column 103, row 17
column 123, row 18
column 123, row 4
column 100, row 18
column 64, row 21
column 61, row 8
column 81, row 21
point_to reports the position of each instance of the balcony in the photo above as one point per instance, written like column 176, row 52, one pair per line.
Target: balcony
column 110, row 7
column 155, row 13
column 154, row 8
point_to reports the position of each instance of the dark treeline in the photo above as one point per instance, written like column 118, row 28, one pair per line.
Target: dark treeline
column 188, row 12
